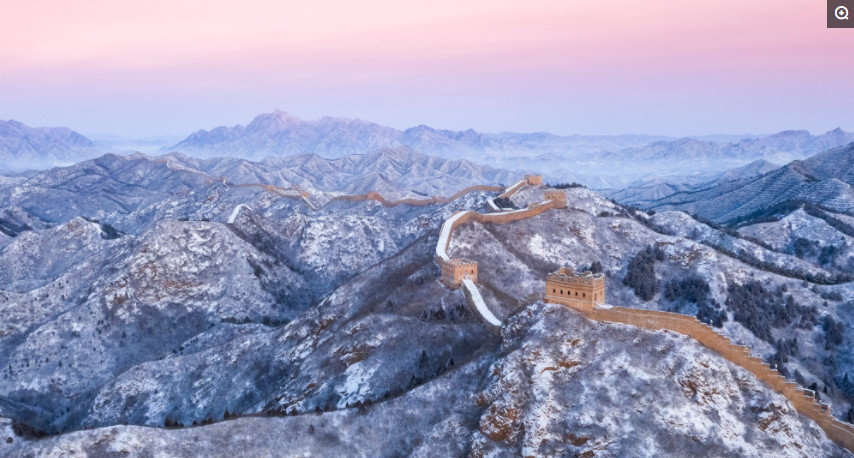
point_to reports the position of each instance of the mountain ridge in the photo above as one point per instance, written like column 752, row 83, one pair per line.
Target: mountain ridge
column 281, row 126
column 597, row 161
column 22, row 146
column 824, row 179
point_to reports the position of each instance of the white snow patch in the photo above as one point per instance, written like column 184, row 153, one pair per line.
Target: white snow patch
column 357, row 386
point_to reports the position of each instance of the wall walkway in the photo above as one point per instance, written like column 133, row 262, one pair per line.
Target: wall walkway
column 803, row 400
column 473, row 297
column 471, row 292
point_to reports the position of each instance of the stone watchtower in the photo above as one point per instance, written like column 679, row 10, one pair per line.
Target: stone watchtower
column 577, row 290
column 455, row 270
column 534, row 180
column 556, row 195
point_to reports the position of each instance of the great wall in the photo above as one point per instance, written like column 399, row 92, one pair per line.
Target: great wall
column 585, row 293
column 567, row 285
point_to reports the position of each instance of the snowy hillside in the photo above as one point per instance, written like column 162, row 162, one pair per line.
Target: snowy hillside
column 824, row 179
column 699, row 271
column 559, row 385
column 158, row 292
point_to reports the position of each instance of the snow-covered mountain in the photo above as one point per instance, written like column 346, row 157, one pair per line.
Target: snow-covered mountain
column 24, row 147
column 132, row 192
column 646, row 191
column 684, row 161
column 392, row 171
column 824, row 179
column 127, row 296
column 560, row 385
column 609, row 163
column 281, row 134
column 598, row 161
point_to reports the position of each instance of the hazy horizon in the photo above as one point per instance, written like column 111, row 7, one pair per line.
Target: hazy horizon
column 172, row 138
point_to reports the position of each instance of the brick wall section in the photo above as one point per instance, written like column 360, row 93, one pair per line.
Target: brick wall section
column 498, row 218
column 373, row 195
column 803, row 400
column 508, row 193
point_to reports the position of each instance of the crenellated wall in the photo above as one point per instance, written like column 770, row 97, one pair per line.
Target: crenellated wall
column 803, row 400
column 456, row 272
column 515, row 187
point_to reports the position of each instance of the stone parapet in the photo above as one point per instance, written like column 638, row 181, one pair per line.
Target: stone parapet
column 803, row 400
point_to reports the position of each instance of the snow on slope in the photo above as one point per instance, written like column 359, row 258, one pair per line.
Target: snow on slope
column 567, row 386
column 559, row 385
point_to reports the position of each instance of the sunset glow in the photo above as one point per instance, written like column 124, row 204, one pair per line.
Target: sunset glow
column 582, row 66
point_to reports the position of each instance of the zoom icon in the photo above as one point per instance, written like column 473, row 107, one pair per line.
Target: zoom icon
column 838, row 13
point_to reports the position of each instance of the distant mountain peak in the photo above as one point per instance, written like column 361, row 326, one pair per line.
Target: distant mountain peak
column 792, row 133
column 277, row 119
column 22, row 146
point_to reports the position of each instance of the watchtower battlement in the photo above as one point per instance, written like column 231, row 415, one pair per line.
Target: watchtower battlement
column 556, row 195
column 455, row 270
column 534, row 180
column 578, row 290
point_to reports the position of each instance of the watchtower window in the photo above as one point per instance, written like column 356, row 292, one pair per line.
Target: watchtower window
column 576, row 293
column 583, row 294
column 561, row 291
column 554, row 290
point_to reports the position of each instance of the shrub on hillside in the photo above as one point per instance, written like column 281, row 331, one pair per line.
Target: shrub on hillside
column 504, row 202
column 693, row 289
column 833, row 332
column 567, row 185
column 760, row 309
column 640, row 274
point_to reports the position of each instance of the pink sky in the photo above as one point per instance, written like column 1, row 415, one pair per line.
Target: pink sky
column 570, row 66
